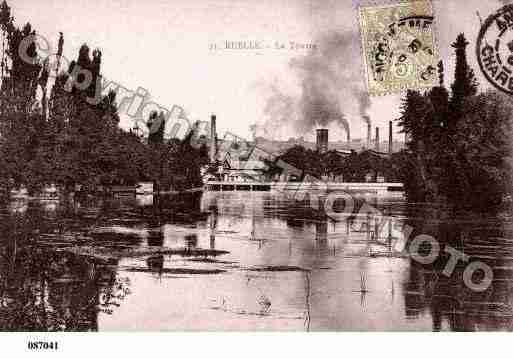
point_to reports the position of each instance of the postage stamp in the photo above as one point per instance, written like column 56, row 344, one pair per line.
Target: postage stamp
column 398, row 46
column 494, row 49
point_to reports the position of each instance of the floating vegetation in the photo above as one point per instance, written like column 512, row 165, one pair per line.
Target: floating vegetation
column 279, row 268
column 175, row 270
column 118, row 234
column 211, row 260
column 108, row 255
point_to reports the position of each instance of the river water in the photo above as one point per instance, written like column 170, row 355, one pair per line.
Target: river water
column 244, row 261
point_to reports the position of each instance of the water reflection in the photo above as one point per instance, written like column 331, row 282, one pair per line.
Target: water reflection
column 42, row 289
column 448, row 301
column 241, row 261
column 155, row 263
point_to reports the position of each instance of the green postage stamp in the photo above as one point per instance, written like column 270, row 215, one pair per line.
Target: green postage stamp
column 398, row 46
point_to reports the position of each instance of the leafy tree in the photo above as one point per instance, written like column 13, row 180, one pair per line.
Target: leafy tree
column 465, row 84
column 20, row 120
column 458, row 144
column 72, row 136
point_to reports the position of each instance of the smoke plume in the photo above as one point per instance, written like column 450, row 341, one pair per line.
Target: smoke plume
column 331, row 85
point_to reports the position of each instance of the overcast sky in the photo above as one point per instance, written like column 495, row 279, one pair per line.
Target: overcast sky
column 163, row 46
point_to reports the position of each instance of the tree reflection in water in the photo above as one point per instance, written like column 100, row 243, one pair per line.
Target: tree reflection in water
column 46, row 289
column 447, row 299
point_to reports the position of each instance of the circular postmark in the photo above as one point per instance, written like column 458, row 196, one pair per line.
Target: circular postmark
column 494, row 49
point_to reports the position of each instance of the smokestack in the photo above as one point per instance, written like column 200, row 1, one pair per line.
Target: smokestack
column 322, row 140
column 389, row 137
column 348, row 137
column 213, row 139
column 369, row 131
column 377, row 139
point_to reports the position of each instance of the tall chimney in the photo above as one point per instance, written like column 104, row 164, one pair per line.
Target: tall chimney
column 322, row 140
column 348, row 136
column 369, row 131
column 389, row 137
column 213, row 139
column 377, row 139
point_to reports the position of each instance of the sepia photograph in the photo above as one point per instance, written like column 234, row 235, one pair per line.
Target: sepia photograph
column 244, row 166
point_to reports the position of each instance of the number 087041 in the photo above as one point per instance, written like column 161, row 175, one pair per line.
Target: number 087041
column 43, row 345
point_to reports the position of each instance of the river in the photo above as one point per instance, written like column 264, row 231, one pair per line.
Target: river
column 243, row 261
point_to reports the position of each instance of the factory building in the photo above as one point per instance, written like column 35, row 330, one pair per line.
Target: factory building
column 234, row 164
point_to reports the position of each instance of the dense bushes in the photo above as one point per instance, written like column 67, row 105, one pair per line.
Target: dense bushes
column 459, row 144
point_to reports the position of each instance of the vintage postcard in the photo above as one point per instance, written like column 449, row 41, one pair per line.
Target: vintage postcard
column 254, row 166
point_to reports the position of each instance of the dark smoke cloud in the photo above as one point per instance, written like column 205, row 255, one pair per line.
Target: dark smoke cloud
column 331, row 81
